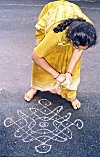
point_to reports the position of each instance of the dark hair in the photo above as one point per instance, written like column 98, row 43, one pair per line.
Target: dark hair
column 80, row 32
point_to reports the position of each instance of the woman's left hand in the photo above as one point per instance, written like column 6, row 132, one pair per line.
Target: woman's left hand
column 69, row 76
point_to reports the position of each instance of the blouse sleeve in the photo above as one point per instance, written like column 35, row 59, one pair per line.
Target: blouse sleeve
column 46, row 45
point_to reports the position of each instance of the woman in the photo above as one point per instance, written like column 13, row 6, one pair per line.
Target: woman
column 63, row 33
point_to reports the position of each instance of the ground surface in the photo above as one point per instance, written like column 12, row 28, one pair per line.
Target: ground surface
column 65, row 132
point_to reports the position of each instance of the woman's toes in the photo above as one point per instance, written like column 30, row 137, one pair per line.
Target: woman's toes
column 76, row 104
column 26, row 98
column 29, row 95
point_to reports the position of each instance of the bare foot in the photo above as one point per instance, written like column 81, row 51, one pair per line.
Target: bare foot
column 76, row 104
column 30, row 94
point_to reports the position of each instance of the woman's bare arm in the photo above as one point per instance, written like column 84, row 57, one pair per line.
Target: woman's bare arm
column 48, row 68
column 74, row 59
column 44, row 65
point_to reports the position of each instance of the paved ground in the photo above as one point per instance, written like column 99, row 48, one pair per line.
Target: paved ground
column 65, row 132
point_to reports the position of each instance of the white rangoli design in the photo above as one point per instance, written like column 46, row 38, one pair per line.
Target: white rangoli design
column 43, row 125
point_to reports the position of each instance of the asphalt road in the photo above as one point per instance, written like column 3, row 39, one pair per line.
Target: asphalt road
column 32, row 129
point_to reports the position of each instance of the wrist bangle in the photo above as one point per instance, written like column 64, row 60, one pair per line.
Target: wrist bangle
column 70, row 73
column 57, row 76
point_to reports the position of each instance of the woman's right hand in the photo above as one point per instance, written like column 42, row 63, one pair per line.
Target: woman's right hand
column 61, row 78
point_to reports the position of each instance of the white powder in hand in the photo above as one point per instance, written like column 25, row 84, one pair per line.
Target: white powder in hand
column 66, row 83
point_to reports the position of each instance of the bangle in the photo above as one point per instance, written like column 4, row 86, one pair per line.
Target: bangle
column 57, row 76
column 70, row 73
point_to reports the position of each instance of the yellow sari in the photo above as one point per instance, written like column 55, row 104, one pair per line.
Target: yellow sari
column 55, row 48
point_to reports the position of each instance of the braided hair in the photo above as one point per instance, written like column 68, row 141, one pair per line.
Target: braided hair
column 79, row 32
column 62, row 26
